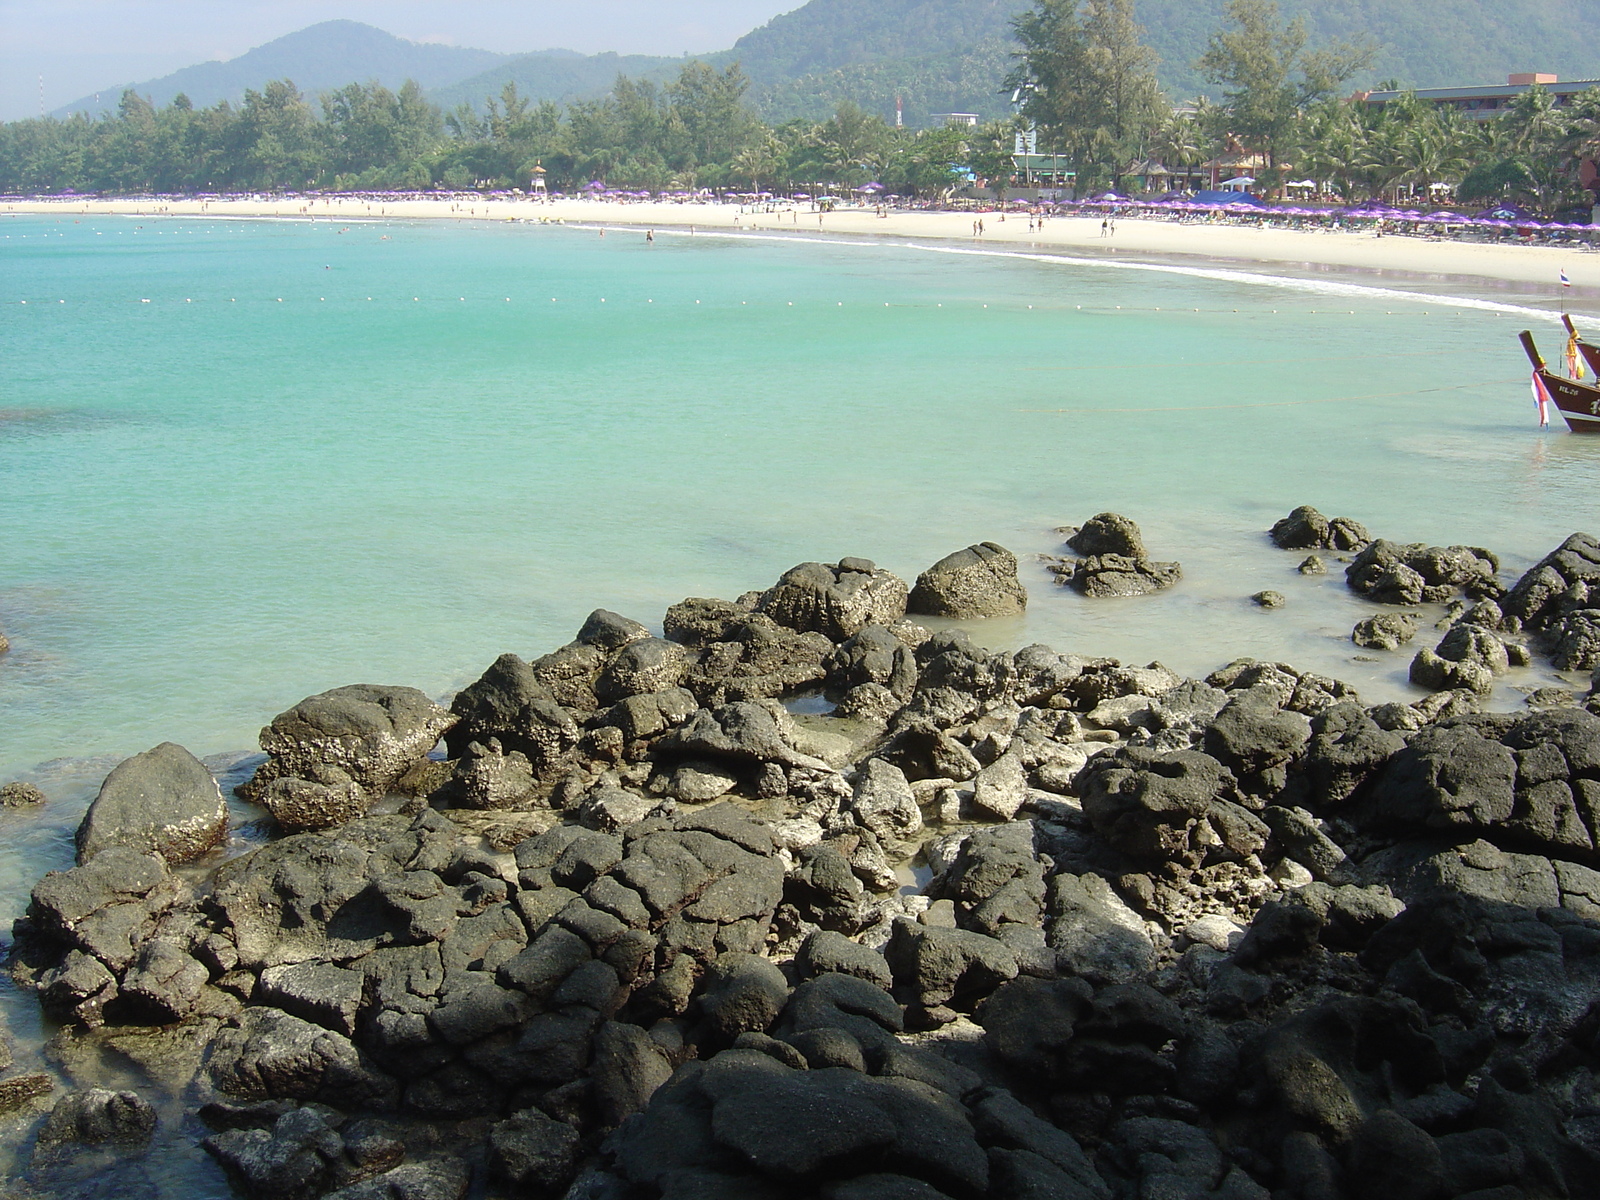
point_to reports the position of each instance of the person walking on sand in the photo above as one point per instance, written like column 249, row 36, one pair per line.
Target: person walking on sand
column 1105, row 224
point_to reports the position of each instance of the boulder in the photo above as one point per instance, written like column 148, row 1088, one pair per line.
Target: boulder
column 97, row 1115
column 837, row 601
column 1094, row 934
column 1001, row 789
column 980, row 581
column 533, row 1152
column 372, row 734
column 947, row 968
column 826, row 952
column 488, row 778
column 270, row 1055
column 757, row 658
column 297, row 1157
column 640, row 668
column 511, row 704
column 435, row 1179
column 1108, row 533
column 1542, row 593
column 163, row 801
column 744, row 993
column 107, row 907
column 883, row 801
column 1385, row 631
column 743, row 732
column 164, row 983
column 610, row 631
column 1392, row 573
column 1161, row 806
column 1307, row 529
column 325, row 802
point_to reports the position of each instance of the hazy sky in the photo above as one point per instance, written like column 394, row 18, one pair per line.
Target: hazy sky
column 82, row 46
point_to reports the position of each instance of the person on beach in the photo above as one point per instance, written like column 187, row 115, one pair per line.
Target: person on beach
column 650, row 237
column 1104, row 225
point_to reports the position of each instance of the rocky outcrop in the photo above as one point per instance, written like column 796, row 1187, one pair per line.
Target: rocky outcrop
column 163, row 801
column 1114, row 562
column 1559, row 601
column 980, row 581
column 1467, row 659
column 1004, row 925
column 1390, row 573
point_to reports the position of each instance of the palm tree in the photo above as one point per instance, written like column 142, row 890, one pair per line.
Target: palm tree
column 759, row 159
column 1177, row 141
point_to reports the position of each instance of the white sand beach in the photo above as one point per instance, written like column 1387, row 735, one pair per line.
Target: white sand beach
column 1360, row 253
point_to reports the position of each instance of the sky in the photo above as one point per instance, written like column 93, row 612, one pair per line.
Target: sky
column 83, row 46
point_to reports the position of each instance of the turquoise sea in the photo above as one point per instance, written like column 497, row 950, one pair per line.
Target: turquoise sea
column 242, row 462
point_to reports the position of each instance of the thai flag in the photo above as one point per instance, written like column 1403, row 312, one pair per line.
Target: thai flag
column 1565, row 282
column 1541, row 397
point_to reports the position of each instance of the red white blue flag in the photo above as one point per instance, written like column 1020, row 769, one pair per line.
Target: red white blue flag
column 1565, row 282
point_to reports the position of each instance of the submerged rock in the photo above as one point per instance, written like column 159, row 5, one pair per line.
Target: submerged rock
column 20, row 795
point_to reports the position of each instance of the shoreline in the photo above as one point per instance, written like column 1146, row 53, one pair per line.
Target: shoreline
column 1534, row 271
column 638, row 887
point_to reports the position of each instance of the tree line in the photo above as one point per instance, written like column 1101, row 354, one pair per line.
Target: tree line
column 1082, row 79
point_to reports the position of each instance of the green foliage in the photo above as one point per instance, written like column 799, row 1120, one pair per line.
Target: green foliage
column 1087, row 80
column 1269, row 75
column 1087, row 76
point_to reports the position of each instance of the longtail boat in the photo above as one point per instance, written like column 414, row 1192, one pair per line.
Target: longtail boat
column 1579, row 402
column 1590, row 352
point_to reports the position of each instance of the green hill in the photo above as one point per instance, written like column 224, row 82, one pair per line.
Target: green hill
column 318, row 58
column 1425, row 43
column 950, row 55
column 557, row 76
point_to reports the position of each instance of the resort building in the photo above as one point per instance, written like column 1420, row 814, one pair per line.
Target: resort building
column 1489, row 100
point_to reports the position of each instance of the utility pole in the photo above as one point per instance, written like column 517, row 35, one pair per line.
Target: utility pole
column 41, row 97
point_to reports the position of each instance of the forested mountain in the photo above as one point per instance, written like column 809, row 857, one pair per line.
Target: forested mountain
column 826, row 35
column 318, row 58
column 1424, row 43
column 939, row 55
column 558, row 76
column 950, row 55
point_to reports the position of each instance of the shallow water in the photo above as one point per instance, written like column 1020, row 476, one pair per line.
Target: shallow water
column 241, row 462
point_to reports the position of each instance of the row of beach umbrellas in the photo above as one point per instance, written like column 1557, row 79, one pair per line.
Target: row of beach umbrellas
column 1499, row 217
